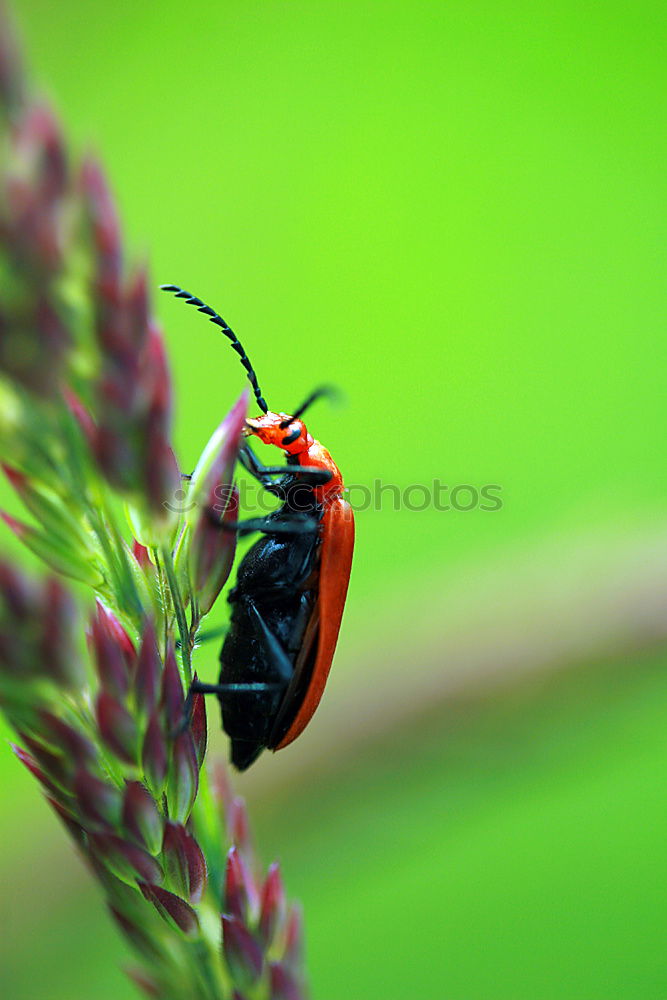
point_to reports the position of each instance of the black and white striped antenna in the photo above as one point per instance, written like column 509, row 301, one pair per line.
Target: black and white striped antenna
column 214, row 317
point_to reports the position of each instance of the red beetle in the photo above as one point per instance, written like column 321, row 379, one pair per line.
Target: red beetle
column 291, row 585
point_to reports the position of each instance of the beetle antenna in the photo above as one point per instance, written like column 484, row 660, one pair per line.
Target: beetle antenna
column 201, row 307
column 324, row 390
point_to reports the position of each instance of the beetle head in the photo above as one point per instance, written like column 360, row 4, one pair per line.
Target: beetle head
column 281, row 430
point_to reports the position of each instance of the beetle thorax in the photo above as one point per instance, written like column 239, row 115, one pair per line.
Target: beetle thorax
column 292, row 437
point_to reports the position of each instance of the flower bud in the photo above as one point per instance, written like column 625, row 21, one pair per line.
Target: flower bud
column 82, row 417
column 141, row 818
column 126, row 861
column 155, row 375
column 284, row 985
column 198, row 726
column 174, row 860
column 111, row 654
column 293, row 956
column 106, row 230
column 272, row 905
column 154, row 755
column 197, row 868
column 57, row 643
column 138, row 314
column 56, row 767
column 243, row 954
column 183, row 777
column 17, row 592
column 184, row 862
column 238, row 827
column 41, row 140
column 211, row 501
column 172, row 908
column 100, row 802
column 117, row 727
column 65, row 739
column 34, row 769
column 215, row 469
column 238, row 887
column 172, row 700
column 162, row 479
column 140, row 553
column 148, row 669
column 116, row 630
column 115, row 457
column 212, row 551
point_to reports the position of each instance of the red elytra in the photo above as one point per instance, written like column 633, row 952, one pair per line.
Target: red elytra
column 335, row 566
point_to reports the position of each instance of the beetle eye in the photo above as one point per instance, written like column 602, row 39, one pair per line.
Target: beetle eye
column 294, row 436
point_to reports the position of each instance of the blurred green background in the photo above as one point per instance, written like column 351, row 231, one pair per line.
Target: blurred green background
column 456, row 212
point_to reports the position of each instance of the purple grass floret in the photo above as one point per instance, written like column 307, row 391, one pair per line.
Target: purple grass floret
column 242, row 952
column 284, row 985
column 154, row 754
column 99, row 803
column 95, row 686
column 272, row 906
column 141, row 817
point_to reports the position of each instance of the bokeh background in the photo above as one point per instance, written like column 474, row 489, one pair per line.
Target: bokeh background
column 456, row 212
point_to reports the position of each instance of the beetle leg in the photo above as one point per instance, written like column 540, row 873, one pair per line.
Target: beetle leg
column 197, row 687
column 304, row 526
column 273, row 647
column 250, row 461
column 311, row 475
column 301, row 526
column 262, row 473
column 206, row 635
column 276, row 654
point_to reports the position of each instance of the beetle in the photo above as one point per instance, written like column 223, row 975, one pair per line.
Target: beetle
column 291, row 585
